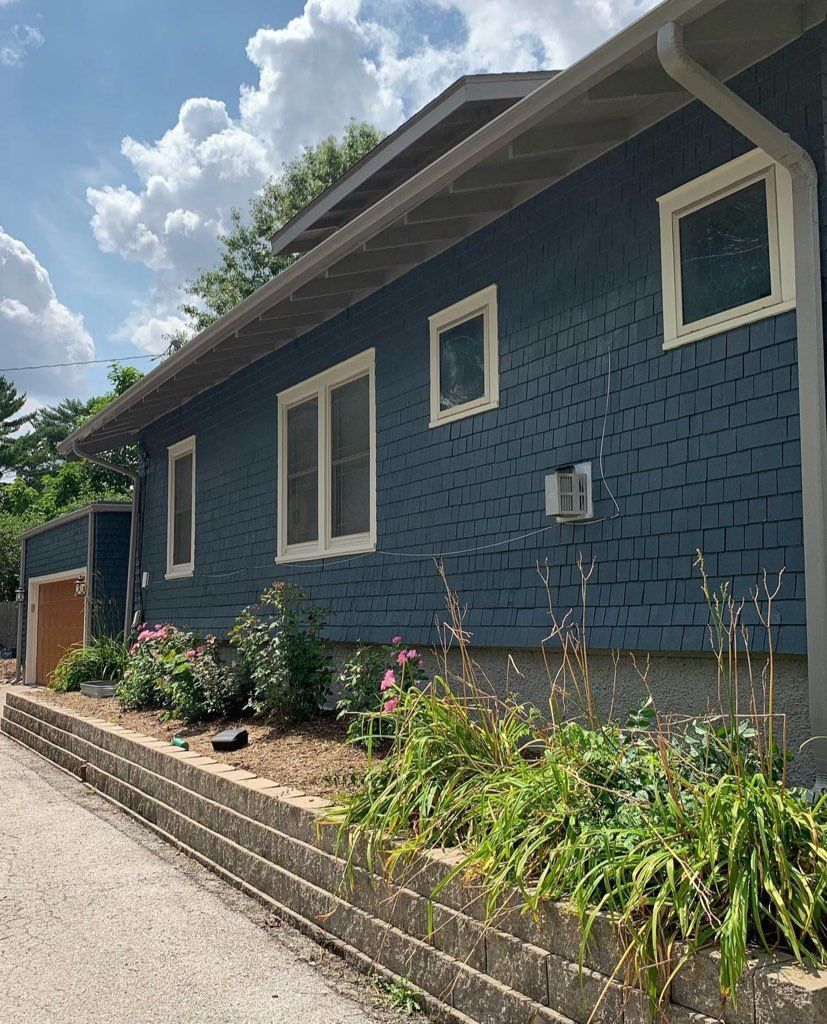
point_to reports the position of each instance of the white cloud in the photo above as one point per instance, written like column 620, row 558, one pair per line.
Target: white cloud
column 16, row 44
column 36, row 328
column 338, row 59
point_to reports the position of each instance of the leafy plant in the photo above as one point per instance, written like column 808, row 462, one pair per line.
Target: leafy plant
column 684, row 832
column 372, row 680
column 101, row 658
column 398, row 996
column 168, row 668
column 283, row 657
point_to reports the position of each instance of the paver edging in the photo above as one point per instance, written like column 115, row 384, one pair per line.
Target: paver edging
column 495, row 965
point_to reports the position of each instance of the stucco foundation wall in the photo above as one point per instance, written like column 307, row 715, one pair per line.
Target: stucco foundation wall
column 680, row 685
column 701, row 445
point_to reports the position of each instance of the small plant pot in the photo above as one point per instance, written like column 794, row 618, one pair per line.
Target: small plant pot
column 98, row 688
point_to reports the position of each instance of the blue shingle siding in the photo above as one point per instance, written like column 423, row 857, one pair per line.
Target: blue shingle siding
column 60, row 549
column 65, row 547
column 111, row 546
column 701, row 443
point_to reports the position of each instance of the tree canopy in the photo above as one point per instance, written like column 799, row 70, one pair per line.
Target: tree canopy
column 246, row 259
column 46, row 484
column 11, row 446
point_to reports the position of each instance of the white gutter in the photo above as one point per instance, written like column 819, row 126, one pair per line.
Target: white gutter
column 812, row 398
column 133, row 527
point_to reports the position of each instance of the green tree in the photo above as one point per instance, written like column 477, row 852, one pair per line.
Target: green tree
column 246, row 259
column 49, row 426
column 11, row 447
column 46, row 484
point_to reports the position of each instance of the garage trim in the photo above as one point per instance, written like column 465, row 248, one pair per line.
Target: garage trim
column 32, row 600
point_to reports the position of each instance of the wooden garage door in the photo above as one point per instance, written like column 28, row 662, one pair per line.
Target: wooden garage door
column 59, row 625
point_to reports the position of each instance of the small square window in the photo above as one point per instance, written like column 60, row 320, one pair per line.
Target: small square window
column 464, row 358
column 726, row 248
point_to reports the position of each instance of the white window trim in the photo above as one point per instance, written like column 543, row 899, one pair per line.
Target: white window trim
column 485, row 302
column 320, row 386
column 175, row 451
column 720, row 182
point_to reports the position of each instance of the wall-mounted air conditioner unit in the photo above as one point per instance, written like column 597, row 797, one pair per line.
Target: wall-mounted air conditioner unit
column 569, row 493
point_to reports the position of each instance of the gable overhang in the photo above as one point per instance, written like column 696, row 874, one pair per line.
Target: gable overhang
column 457, row 112
column 611, row 95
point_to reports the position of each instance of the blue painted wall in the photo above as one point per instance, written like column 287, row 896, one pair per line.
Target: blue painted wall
column 111, row 565
column 64, row 547
column 61, row 549
column 701, row 443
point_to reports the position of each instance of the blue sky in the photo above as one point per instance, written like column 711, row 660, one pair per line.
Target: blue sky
column 131, row 127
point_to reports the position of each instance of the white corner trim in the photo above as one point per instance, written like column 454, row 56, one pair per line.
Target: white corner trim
column 174, row 452
column 320, row 386
column 485, row 302
column 694, row 195
column 32, row 611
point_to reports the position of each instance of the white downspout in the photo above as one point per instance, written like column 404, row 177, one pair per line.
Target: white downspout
column 133, row 527
column 754, row 126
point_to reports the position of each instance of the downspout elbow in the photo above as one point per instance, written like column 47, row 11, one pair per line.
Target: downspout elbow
column 698, row 82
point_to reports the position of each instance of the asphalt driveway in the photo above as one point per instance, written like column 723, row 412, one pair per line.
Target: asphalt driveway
column 102, row 923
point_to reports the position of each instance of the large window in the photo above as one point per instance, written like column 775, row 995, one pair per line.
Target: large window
column 464, row 358
column 181, row 509
column 726, row 249
column 327, row 455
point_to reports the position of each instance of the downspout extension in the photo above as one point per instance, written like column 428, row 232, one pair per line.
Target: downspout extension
column 812, row 396
column 133, row 526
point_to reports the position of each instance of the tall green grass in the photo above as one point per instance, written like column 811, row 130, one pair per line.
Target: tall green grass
column 686, row 833
column 101, row 657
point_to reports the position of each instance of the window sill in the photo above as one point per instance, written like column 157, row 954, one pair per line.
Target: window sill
column 179, row 574
column 724, row 325
column 319, row 554
column 462, row 412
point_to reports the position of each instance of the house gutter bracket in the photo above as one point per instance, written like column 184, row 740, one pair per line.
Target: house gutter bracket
column 681, row 67
column 133, row 526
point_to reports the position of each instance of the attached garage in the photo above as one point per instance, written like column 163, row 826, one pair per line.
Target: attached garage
column 73, row 579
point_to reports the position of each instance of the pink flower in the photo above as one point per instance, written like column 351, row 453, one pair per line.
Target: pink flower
column 388, row 680
column 133, row 649
column 412, row 655
column 402, row 657
column 420, row 663
column 391, row 705
column 191, row 654
column 397, row 640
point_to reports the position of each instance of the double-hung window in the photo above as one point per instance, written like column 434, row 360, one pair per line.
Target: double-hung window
column 727, row 249
column 464, row 358
column 181, row 509
column 327, row 463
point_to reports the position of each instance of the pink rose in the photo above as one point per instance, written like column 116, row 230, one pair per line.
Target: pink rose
column 391, row 705
column 388, row 680
column 397, row 640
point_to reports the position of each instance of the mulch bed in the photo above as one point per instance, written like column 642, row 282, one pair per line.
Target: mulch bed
column 312, row 757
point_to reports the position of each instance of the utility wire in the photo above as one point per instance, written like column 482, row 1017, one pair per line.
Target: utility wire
column 81, row 362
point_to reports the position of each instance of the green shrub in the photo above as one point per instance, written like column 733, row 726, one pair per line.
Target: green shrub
column 169, row 668
column 101, row 658
column 371, row 682
column 283, row 657
column 684, row 831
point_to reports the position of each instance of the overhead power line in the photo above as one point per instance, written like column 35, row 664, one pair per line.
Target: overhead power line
column 81, row 362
